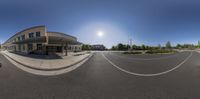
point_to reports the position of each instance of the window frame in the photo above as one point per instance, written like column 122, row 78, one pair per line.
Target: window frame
column 39, row 48
column 30, row 47
column 23, row 37
column 18, row 38
column 36, row 33
column 31, row 35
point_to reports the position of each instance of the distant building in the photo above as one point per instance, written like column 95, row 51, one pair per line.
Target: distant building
column 37, row 40
column 98, row 47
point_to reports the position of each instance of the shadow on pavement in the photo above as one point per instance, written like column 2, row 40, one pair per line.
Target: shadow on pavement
column 39, row 56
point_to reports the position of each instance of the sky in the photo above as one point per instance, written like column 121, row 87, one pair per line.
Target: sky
column 149, row 22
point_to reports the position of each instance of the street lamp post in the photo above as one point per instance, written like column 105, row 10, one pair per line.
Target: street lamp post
column 129, row 43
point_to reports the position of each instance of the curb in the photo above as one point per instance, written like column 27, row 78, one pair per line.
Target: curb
column 52, row 69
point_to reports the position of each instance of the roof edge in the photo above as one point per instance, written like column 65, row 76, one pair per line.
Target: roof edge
column 24, row 30
column 61, row 33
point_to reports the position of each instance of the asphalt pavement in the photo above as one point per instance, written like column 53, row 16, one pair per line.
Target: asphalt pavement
column 99, row 79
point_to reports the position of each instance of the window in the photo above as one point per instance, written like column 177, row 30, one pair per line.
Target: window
column 37, row 34
column 19, row 47
column 23, row 37
column 30, row 47
column 39, row 46
column 31, row 35
column 18, row 38
column 23, row 47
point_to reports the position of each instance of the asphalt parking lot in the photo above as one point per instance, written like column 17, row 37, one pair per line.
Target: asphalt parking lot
column 147, row 64
column 97, row 78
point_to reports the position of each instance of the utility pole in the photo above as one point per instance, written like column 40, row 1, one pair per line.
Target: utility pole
column 129, row 42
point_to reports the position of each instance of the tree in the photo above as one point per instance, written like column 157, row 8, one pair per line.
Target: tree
column 120, row 46
column 159, row 46
column 134, row 47
column 86, row 47
column 114, row 48
column 178, row 46
column 147, row 47
column 188, row 46
column 168, row 45
column 198, row 44
column 143, row 47
column 128, row 47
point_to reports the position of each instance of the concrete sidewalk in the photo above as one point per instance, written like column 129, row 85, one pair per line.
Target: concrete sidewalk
column 48, row 64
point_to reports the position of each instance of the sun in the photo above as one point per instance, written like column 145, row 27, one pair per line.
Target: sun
column 100, row 34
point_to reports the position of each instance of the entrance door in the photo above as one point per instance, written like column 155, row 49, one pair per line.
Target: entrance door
column 50, row 50
column 58, row 49
column 53, row 49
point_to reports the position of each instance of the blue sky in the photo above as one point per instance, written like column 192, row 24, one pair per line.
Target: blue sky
column 149, row 22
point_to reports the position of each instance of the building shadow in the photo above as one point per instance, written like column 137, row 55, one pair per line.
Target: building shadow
column 37, row 56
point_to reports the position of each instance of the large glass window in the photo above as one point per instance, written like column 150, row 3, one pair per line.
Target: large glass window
column 38, row 34
column 39, row 46
column 31, row 35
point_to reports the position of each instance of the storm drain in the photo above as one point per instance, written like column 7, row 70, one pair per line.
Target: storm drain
column 0, row 65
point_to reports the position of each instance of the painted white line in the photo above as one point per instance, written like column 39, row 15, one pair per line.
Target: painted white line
column 47, row 73
column 149, row 59
column 155, row 74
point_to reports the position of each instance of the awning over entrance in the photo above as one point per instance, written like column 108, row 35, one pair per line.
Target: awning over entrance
column 61, row 40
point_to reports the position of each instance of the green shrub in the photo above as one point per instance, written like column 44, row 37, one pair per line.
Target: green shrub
column 132, row 53
column 160, row 51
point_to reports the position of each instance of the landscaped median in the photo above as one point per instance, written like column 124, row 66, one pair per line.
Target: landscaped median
column 48, row 64
column 155, row 51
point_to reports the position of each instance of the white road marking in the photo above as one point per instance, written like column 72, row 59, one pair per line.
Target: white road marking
column 47, row 73
column 155, row 74
column 149, row 59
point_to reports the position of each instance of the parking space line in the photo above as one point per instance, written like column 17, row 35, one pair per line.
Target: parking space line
column 149, row 59
column 148, row 75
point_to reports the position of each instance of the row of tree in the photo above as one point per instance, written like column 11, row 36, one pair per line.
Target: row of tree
column 86, row 47
column 168, row 45
column 93, row 47
column 124, row 47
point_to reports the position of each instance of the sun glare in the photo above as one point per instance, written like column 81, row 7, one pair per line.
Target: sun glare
column 100, row 34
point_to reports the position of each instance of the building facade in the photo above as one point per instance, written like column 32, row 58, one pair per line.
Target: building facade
column 98, row 47
column 37, row 40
